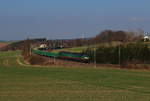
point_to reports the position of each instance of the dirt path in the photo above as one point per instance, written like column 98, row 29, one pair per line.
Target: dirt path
column 19, row 62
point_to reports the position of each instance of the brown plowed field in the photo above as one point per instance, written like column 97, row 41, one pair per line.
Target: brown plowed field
column 2, row 45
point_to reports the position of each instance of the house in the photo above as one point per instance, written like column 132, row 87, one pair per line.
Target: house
column 146, row 37
column 43, row 46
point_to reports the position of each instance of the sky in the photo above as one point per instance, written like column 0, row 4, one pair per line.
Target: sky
column 59, row 19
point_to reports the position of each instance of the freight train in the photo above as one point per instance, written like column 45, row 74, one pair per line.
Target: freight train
column 64, row 55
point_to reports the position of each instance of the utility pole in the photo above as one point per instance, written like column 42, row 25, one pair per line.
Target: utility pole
column 30, row 49
column 119, row 53
column 95, row 56
column 53, row 47
column 83, row 36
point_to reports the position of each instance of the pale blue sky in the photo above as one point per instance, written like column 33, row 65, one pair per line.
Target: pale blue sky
column 70, row 18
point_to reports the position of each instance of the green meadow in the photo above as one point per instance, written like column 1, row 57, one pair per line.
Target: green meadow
column 22, row 82
column 74, row 49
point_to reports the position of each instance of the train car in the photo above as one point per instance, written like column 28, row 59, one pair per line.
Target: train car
column 48, row 54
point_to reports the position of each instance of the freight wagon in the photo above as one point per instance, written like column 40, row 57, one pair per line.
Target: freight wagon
column 44, row 53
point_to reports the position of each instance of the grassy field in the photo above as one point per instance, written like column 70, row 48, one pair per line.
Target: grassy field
column 75, row 49
column 6, row 42
column 82, row 48
column 32, row 83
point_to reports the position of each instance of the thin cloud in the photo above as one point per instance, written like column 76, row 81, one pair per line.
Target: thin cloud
column 139, row 19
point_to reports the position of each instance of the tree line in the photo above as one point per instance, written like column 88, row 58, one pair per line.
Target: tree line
column 137, row 53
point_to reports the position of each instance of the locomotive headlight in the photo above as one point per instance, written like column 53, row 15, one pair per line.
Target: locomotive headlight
column 86, row 57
